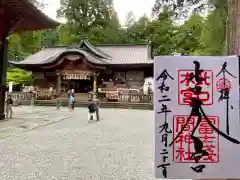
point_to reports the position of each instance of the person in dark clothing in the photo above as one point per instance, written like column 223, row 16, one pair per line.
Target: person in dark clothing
column 9, row 106
column 91, row 110
column 68, row 94
column 97, row 104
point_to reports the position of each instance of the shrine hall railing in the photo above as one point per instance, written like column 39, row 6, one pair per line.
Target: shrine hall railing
column 136, row 98
column 117, row 97
column 126, row 98
column 20, row 95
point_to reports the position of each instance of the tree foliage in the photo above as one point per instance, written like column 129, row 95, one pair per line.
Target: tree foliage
column 19, row 76
column 202, row 33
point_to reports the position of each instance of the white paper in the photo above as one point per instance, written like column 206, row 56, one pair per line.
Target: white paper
column 222, row 161
column 10, row 86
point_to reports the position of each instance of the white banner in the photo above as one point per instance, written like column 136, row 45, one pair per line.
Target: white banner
column 10, row 86
column 197, row 128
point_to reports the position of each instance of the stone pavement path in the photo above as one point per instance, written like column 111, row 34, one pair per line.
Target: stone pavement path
column 27, row 117
column 117, row 148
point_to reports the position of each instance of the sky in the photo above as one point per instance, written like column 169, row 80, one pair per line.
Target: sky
column 138, row 7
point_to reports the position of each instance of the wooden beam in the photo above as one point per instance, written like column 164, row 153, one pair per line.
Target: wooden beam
column 3, row 73
column 15, row 24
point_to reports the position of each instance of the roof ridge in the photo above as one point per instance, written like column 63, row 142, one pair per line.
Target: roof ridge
column 137, row 44
column 93, row 48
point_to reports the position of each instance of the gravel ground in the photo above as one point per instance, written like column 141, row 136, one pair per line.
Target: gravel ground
column 119, row 147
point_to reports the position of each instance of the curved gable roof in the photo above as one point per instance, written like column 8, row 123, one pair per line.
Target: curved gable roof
column 51, row 55
column 99, row 54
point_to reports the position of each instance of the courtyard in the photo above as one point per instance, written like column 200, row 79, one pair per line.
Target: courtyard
column 43, row 143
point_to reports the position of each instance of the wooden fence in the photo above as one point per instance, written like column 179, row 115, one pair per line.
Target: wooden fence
column 125, row 98
column 20, row 95
column 135, row 98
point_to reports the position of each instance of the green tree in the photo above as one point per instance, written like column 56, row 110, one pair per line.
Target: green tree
column 162, row 33
column 49, row 38
column 130, row 19
column 180, row 8
column 15, row 50
column 137, row 30
column 66, row 36
column 85, row 14
column 189, row 34
column 31, row 41
column 19, row 76
column 95, row 20
column 213, row 36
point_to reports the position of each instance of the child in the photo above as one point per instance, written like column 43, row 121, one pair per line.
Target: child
column 9, row 106
column 91, row 110
column 58, row 104
column 71, row 102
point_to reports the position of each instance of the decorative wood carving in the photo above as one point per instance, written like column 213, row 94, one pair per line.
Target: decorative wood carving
column 73, row 57
column 77, row 75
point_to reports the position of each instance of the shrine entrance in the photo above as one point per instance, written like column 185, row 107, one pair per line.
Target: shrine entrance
column 80, row 81
column 79, row 86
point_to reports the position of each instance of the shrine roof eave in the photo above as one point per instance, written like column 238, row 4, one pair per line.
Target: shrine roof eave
column 27, row 16
column 27, row 67
column 131, row 65
column 54, row 59
column 32, row 67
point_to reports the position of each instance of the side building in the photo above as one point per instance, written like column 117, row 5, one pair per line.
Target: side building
column 88, row 67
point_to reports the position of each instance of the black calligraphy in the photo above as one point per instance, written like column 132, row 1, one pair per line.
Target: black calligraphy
column 224, row 86
column 197, row 111
column 164, row 129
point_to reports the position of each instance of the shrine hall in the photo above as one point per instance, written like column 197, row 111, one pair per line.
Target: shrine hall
column 86, row 67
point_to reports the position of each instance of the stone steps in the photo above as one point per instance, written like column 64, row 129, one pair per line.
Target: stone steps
column 78, row 97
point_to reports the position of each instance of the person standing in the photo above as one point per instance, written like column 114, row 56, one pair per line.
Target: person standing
column 97, row 104
column 91, row 110
column 58, row 104
column 73, row 95
column 72, row 92
column 68, row 93
column 70, row 102
column 9, row 106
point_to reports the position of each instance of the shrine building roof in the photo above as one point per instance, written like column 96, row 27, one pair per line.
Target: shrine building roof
column 112, row 54
column 22, row 15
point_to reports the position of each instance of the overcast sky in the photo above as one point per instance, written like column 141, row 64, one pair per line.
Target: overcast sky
column 138, row 7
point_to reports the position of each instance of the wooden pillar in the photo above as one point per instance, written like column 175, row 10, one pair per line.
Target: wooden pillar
column 94, row 83
column 58, row 85
column 233, row 30
column 3, row 74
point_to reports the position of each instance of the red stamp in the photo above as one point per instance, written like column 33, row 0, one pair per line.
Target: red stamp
column 184, row 93
column 183, row 147
column 223, row 84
